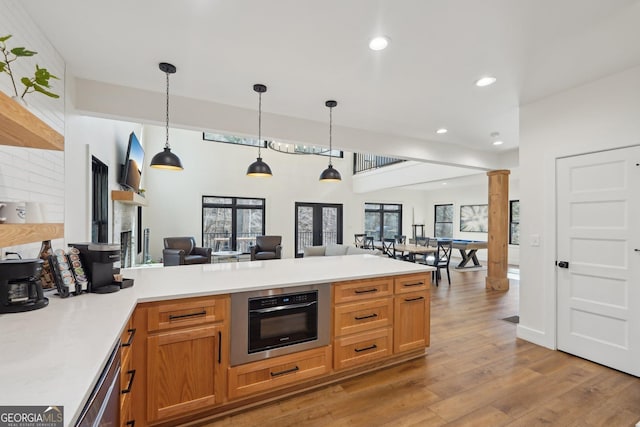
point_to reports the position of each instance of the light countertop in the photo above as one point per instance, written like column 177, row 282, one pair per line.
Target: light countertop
column 53, row 356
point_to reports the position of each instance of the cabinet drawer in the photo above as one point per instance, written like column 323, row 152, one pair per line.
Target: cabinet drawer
column 187, row 312
column 266, row 375
column 363, row 348
column 358, row 290
column 362, row 316
column 126, row 413
column 412, row 283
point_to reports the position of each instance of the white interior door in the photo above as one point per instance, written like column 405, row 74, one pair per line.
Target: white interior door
column 598, row 222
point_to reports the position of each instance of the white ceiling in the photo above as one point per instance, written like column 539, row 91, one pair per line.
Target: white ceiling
column 309, row 51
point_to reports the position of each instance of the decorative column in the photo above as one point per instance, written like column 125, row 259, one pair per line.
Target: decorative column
column 498, row 236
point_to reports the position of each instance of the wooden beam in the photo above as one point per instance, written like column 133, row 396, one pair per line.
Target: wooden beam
column 498, row 237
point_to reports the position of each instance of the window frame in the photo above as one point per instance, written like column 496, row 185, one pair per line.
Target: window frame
column 234, row 206
column 436, row 222
column 381, row 211
column 512, row 222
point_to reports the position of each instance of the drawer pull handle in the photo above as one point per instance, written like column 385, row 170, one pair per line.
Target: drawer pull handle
column 132, row 333
column 132, row 375
column 371, row 347
column 219, row 347
column 368, row 316
column 286, row 371
column 131, row 423
column 366, row 291
column 413, row 284
column 413, row 299
column 182, row 316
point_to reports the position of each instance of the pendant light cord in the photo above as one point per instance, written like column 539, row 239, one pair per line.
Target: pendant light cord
column 166, row 144
column 259, row 123
column 330, row 133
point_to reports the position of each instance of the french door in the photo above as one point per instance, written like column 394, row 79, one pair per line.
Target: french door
column 598, row 248
column 317, row 224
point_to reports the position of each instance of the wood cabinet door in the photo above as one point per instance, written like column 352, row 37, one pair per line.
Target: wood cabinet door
column 185, row 371
column 411, row 321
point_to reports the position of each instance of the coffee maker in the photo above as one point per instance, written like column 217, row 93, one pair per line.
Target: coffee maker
column 98, row 259
column 20, row 287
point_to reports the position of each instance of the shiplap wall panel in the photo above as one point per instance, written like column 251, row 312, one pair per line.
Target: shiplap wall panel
column 28, row 174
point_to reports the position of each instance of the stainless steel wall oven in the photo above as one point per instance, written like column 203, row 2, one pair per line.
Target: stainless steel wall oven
column 279, row 321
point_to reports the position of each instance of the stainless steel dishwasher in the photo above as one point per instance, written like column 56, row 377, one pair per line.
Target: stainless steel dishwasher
column 103, row 406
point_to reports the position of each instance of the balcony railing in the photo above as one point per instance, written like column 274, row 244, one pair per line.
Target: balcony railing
column 364, row 162
column 223, row 241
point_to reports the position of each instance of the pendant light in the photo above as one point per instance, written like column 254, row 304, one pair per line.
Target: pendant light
column 330, row 174
column 259, row 168
column 166, row 159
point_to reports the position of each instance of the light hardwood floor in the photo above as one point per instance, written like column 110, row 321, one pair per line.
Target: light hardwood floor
column 476, row 373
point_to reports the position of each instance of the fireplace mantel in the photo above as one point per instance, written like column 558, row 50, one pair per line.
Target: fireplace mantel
column 128, row 197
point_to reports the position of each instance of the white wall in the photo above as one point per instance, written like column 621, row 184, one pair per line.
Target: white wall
column 215, row 169
column 28, row 174
column 468, row 195
column 598, row 116
column 106, row 140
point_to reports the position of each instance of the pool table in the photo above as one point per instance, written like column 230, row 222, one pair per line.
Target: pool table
column 468, row 249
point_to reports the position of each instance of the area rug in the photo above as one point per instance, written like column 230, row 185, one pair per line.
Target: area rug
column 512, row 319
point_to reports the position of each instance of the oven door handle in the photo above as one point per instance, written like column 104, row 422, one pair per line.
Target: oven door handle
column 282, row 307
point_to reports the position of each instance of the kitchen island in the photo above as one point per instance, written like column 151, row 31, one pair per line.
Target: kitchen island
column 55, row 355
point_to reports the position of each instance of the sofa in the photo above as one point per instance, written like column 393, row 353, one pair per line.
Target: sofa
column 336, row 250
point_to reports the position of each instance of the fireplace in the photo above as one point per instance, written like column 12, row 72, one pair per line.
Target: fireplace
column 125, row 248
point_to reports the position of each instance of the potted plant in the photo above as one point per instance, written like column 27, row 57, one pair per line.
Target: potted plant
column 40, row 80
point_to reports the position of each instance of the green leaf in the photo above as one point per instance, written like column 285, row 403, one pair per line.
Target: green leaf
column 2, row 65
column 5, row 38
column 21, row 51
column 25, row 81
column 46, row 92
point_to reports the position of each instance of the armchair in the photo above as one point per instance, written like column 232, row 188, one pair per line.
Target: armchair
column 183, row 251
column 266, row 247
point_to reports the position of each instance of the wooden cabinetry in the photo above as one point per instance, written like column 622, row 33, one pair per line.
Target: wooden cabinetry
column 277, row 372
column 19, row 127
column 186, row 356
column 363, row 319
column 411, row 322
column 127, row 375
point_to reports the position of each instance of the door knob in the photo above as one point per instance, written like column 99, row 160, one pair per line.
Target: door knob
column 562, row 264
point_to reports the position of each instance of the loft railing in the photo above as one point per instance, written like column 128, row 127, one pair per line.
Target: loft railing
column 364, row 162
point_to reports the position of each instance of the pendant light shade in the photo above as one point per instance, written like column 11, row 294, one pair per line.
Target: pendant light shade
column 166, row 159
column 330, row 174
column 259, row 168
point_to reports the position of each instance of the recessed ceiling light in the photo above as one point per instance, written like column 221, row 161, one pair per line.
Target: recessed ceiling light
column 444, row 183
column 442, row 130
column 498, row 142
column 378, row 43
column 485, row 81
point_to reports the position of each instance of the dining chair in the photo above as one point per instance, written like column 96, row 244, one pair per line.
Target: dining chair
column 423, row 241
column 442, row 259
column 401, row 239
column 368, row 243
column 358, row 240
column 389, row 247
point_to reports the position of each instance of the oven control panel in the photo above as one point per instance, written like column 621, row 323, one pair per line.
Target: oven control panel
column 282, row 300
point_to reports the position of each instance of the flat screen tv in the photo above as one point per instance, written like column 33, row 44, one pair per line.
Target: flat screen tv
column 132, row 167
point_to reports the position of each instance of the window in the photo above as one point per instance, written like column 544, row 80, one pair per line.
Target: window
column 443, row 223
column 274, row 145
column 231, row 223
column 99, row 201
column 382, row 220
column 317, row 224
column 514, row 222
